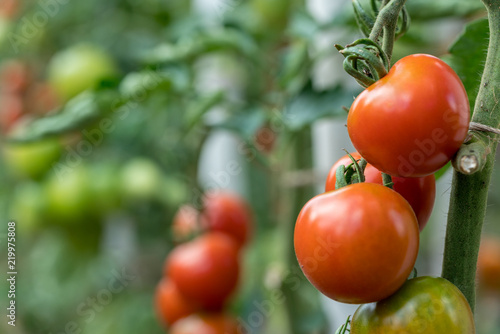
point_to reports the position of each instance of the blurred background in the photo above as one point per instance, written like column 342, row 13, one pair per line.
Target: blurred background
column 113, row 114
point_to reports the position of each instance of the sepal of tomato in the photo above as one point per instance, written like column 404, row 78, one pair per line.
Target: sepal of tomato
column 430, row 305
column 420, row 192
column 411, row 122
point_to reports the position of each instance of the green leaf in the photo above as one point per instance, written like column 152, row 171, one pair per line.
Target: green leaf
column 467, row 56
column 427, row 9
column 310, row 106
column 76, row 114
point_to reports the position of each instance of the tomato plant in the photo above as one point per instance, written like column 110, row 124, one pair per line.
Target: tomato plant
column 412, row 121
column 420, row 192
column 488, row 265
column 170, row 304
column 357, row 244
column 227, row 213
column 430, row 305
column 206, row 324
column 205, row 270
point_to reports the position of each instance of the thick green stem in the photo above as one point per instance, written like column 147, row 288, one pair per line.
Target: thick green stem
column 469, row 192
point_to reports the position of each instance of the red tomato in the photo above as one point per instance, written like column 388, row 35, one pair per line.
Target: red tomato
column 9, row 8
column 420, row 192
column 206, row 324
column 265, row 138
column 170, row 304
column 488, row 264
column 205, row 270
column 14, row 77
column 185, row 223
column 11, row 110
column 227, row 213
column 357, row 244
column 42, row 98
column 411, row 122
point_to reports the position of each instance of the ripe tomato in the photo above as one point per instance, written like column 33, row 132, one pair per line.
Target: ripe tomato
column 205, row 270
column 357, row 244
column 170, row 304
column 14, row 77
column 11, row 110
column 206, row 324
column 9, row 8
column 420, row 192
column 411, row 122
column 227, row 213
column 185, row 223
column 79, row 68
column 265, row 138
column 488, row 264
column 42, row 98
column 430, row 305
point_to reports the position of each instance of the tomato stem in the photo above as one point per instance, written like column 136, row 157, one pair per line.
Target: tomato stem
column 387, row 180
column 469, row 193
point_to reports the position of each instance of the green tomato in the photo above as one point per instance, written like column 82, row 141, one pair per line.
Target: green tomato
column 31, row 160
column 27, row 206
column 104, row 187
column 430, row 305
column 141, row 179
column 68, row 196
column 273, row 14
column 78, row 68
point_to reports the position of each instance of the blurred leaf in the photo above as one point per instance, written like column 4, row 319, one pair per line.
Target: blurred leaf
column 198, row 108
column 76, row 114
column 311, row 105
column 427, row 9
column 467, row 56
column 295, row 68
column 440, row 173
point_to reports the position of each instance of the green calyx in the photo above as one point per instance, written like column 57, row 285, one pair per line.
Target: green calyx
column 354, row 173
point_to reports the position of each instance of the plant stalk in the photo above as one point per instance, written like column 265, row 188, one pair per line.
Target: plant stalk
column 469, row 193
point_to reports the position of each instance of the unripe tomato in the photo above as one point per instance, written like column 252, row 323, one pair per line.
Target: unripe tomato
column 79, row 68
column 488, row 264
column 430, row 305
column 420, row 192
column 272, row 14
column 170, row 304
column 205, row 270
column 140, row 179
column 32, row 160
column 227, row 213
column 412, row 121
column 206, row 324
column 27, row 206
column 357, row 244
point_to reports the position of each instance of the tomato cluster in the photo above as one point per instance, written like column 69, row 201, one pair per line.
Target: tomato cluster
column 358, row 242
column 200, row 275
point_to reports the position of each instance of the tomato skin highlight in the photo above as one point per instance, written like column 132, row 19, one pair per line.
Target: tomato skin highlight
column 430, row 305
column 206, row 270
column 420, row 192
column 357, row 244
column 206, row 324
column 411, row 122
column 227, row 213
column 170, row 304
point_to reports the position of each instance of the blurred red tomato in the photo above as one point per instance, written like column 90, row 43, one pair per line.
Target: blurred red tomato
column 185, row 224
column 488, row 265
column 170, row 304
column 265, row 139
column 205, row 270
column 15, row 76
column 42, row 98
column 9, row 8
column 11, row 110
column 420, row 192
column 227, row 213
column 206, row 324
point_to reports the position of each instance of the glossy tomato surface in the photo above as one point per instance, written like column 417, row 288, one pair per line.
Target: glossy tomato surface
column 430, row 305
column 206, row 324
column 357, row 244
column 205, row 270
column 170, row 304
column 420, row 192
column 412, row 121
column 227, row 213
column 488, row 264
